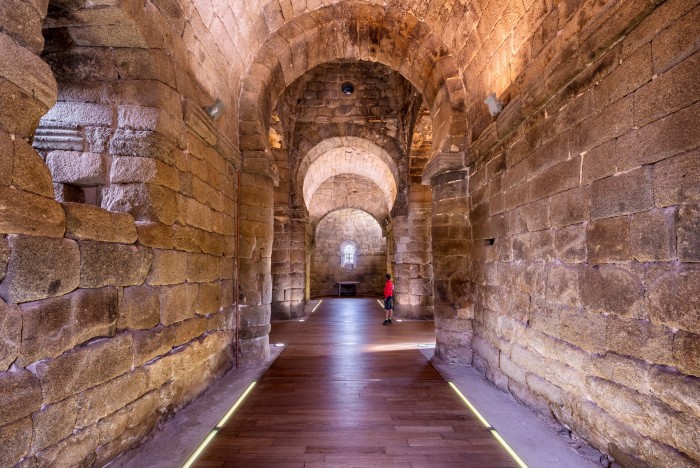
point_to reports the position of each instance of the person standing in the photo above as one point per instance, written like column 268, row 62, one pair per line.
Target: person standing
column 388, row 300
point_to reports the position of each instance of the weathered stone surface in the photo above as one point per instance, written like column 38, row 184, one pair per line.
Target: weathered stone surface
column 641, row 339
column 10, row 334
column 54, row 423
column 16, row 440
column 30, row 172
column 144, row 144
column 177, row 303
column 145, row 202
column 32, row 272
column 27, row 213
column 202, row 268
column 151, row 343
column 155, row 235
column 208, row 298
column 190, row 329
column 76, row 168
column 652, row 236
column 126, row 170
column 623, row 194
column 677, row 180
column 686, row 353
column 608, row 240
column 105, row 399
column 74, row 450
column 611, row 290
column 570, row 207
column 20, row 395
column 688, row 233
column 139, row 308
column 87, row 222
column 169, row 267
column 79, row 370
column 103, row 264
column 672, row 300
column 53, row 326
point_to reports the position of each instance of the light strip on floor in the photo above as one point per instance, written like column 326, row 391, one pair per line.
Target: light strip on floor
column 491, row 429
column 380, row 303
column 218, row 427
column 314, row 309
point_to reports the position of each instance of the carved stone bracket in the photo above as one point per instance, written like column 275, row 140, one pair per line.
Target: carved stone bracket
column 200, row 123
column 442, row 162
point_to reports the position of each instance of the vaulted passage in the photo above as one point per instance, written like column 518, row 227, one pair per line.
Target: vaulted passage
column 178, row 175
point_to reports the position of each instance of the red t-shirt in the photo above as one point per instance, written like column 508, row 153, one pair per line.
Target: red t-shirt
column 388, row 288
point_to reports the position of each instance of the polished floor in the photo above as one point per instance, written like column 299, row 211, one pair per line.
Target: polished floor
column 347, row 391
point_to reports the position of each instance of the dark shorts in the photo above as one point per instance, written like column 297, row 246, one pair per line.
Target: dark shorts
column 389, row 303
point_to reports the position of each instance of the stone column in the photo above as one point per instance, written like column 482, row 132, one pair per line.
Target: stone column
column 412, row 257
column 256, row 236
column 453, row 287
column 288, row 266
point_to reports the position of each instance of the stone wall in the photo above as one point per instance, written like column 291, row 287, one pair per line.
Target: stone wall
column 582, row 250
column 370, row 268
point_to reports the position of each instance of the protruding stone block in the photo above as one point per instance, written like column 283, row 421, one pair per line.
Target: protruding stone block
column 87, row 367
column 103, row 264
column 55, row 325
column 26, row 213
column 155, row 235
column 30, row 172
column 145, row 202
column 33, row 271
column 76, row 168
column 126, row 170
column 87, row 222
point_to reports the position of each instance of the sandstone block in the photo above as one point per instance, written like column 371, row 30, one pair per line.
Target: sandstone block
column 677, row 180
column 640, row 339
column 686, row 354
column 10, row 334
column 27, row 213
column 688, row 233
column 570, row 244
column 672, row 300
column 188, row 238
column 153, row 119
column 155, row 235
column 103, row 264
column 189, row 329
column 202, row 268
column 20, row 395
column 55, row 325
column 622, row 194
column 562, row 177
column 208, row 298
column 142, row 144
column 16, row 439
column 74, row 450
column 177, row 303
column 169, row 267
column 30, row 172
column 570, row 207
column 87, row 222
column 672, row 45
column 563, row 286
column 608, row 289
column 126, row 170
column 149, row 344
column 87, row 367
column 32, row 271
column 652, row 236
column 76, row 168
column 608, row 240
column 54, row 423
column 583, row 328
column 145, row 202
column 109, row 397
column 139, row 308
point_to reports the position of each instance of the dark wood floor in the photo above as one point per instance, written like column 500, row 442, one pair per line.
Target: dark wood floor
column 347, row 391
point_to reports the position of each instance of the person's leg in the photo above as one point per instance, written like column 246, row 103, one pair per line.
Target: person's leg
column 387, row 310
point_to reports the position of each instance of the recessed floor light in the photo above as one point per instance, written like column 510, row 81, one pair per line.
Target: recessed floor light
column 279, row 345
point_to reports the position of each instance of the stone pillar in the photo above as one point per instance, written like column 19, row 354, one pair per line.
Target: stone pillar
column 453, row 287
column 288, row 265
column 256, row 236
column 412, row 257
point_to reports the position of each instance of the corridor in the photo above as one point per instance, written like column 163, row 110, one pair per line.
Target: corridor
column 348, row 391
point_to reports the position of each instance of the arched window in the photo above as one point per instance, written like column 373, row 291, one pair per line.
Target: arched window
column 348, row 254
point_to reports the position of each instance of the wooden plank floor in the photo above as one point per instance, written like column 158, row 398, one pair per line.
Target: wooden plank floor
column 347, row 391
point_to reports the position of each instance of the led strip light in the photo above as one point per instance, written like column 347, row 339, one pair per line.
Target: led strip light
column 491, row 429
column 217, row 428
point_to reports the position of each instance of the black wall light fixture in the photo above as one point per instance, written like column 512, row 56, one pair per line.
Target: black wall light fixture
column 347, row 88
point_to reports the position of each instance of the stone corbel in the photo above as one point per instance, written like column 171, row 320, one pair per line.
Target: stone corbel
column 441, row 162
column 200, row 123
column 260, row 162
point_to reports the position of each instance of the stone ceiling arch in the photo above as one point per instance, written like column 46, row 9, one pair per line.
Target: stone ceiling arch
column 348, row 191
column 347, row 155
column 354, row 31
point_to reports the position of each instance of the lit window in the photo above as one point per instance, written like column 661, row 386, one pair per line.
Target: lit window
column 348, row 254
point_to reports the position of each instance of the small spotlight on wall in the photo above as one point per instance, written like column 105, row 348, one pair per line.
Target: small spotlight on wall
column 216, row 109
column 495, row 107
column 347, row 88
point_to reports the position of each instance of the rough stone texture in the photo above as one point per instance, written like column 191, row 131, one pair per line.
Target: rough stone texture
column 54, row 423
column 104, row 264
column 53, row 326
column 16, row 438
column 85, row 222
column 26, row 213
column 20, row 395
column 10, row 334
column 688, row 233
column 177, row 303
column 32, row 272
column 139, row 308
column 75, row 168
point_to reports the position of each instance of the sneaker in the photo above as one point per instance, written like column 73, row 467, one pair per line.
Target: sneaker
column 386, row 322
column 389, row 321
